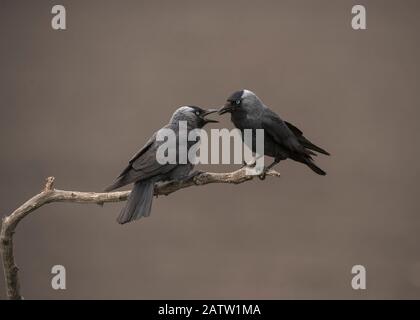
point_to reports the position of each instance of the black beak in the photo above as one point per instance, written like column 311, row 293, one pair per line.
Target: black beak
column 226, row 108
column 207, row 112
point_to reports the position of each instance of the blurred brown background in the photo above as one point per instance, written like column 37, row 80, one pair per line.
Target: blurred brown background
column 78, row 103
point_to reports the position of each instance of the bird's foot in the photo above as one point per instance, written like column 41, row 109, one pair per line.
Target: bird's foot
column 192, row 175
column 248, row 165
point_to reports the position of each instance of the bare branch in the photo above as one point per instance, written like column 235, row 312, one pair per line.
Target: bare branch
column 49, row 194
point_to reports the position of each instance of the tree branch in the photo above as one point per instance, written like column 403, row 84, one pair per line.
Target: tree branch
column 49, row 194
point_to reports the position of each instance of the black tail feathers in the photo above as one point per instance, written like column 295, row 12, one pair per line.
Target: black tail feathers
column 315, row 168
column 309, row 145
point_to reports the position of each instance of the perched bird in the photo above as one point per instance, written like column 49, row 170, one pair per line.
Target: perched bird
column 144, row 169
column 282, row 140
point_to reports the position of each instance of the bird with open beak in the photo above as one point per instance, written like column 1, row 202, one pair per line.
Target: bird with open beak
column 282, row 140
column 144, row 169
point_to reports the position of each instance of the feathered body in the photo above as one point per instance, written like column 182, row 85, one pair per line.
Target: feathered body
column 144, row 170
column 282, row 140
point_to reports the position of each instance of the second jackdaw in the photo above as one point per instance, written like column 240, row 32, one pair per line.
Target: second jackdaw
column 144, row 169
column 282, row 140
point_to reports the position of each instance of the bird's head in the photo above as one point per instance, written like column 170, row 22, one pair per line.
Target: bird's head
column 241, row 101
column 193, row 115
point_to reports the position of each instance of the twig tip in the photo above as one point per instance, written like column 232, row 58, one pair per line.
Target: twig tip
column 49, row 184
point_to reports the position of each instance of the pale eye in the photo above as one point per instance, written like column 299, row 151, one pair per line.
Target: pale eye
column 197, row 113
column 238, row 102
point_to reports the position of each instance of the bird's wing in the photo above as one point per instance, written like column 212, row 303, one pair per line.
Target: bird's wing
column 138, row 154
column 277, row 129
column 294, row 129
column 146, row 164
column 304, row 141
column 142, row 165
column 143, row 149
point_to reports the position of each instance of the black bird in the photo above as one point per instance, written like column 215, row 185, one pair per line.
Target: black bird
column 282, row 140
column 144, row 170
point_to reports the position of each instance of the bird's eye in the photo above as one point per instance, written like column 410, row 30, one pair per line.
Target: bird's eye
column 197, row 113
column 238, row 102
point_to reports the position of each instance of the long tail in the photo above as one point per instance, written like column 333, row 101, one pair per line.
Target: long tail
column 314, row 167
column 139, row 203
column 309, row 145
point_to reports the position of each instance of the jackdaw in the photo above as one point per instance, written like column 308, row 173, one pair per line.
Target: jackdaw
column 282, row 140
column 144, row 169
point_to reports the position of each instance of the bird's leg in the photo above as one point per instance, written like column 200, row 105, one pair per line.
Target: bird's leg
column 249, row 165
column 157, row 185
column 181, row 179
column 252, row 164
column 263, row 174
column 191, row 175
